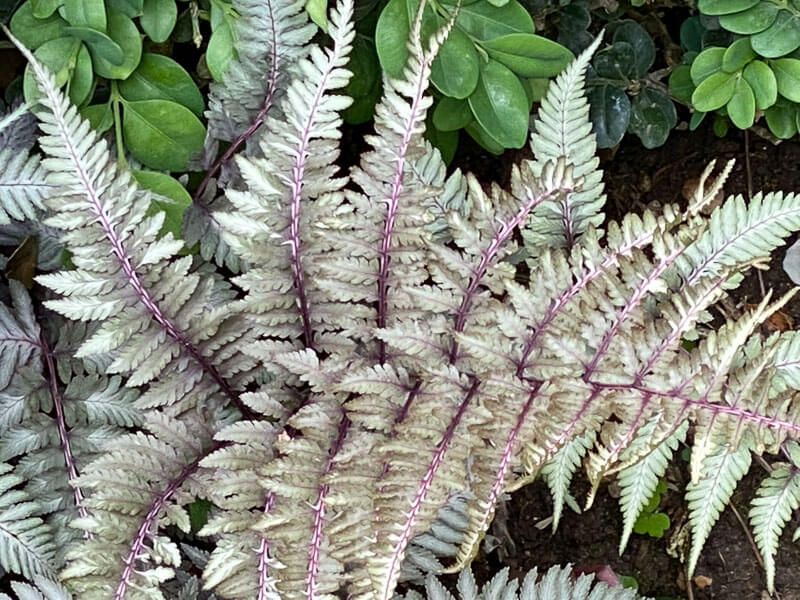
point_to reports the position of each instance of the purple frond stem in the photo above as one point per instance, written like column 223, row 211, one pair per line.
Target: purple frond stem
column 422, row 490
column 63, row 434
column 263, row 556
column 259, row 119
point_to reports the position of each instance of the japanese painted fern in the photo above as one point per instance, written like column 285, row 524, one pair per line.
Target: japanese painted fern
column 361, row 396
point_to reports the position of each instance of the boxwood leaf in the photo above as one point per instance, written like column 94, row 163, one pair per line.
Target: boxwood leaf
column 697, row 117
column 220, row 50
column 500, row 105
column 32, row 31
column 100, row 43
column 391, row 34
column 170, row 197
column 752, row 20
column 44, row 8
column 691, row 34
column 653, row 116
column 99, row 116
column 708, row 62
column 451, row 114
column 455, row 70
column 158, row 18
column 529, row 55
column 610, row 113
column 680, row 83
column 122, row 30
column 365, row 85
column 737, row 55
column 724, row 7
column 80, row 83
column 86, row 13
column 714, row 92
column 618, row 61
column 780, row 38
column 644, row 50
column 782, row 120
column 763, row 82
column 742, row 105
column 484, row 21
column 787, row 74
column 129, row 8
column 480, row 135
column 159, row 77
column 445, row 141
column 161, row 134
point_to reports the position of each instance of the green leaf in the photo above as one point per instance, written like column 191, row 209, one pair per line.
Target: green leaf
column 100, row 43
column 122, row 30
column 34, row 32
column 787, row 74
column 695, row 120
column 44, row 8
column 455, row 70
column 720, row 126
column 220, row 50
column 610, row 114
column 752, row 20
column 652, row 524
column 737, row 55
column 318, row 11
column 158, row 18
column 742, row 105
column 680, row 83
column 171, row 198
column 391, row 34
column 529, row 55
column 781, row 120
column 445, row 141
column 500, row 105
column 129, row 8
column 724, row 7
column 59, row 56
column 161, row 134
column 652, row 117
column 691, row 34
column 480, row 135
column 99, row 116
column 365, row 85
column 198, row 513
column 763, row 82
column 714, row 92
column 616, row 62
column 708, row 62
column 485, row 22
column 80, row 84
column 451, row 114
column 780, row 38
column 643, row 47
column 159, row 77
column 86, row 13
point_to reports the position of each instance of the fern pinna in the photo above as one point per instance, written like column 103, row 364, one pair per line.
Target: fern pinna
column 359, row 398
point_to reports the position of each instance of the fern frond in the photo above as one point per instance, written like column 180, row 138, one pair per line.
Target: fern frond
column 23, row 187
column 559, row 470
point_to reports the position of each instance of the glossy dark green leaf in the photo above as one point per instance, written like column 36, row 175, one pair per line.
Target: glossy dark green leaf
column 444, row 141
column 33, row 32
column 500, row 105
column 691, row 34
column 752, row 20
column 159, row 77
column 158, row 18
column 780, row 38
column 724, row 7
column 742, row 105
column 220, row 50
column 44, row 8
column 529, row 55
column 610, row 114
column 653, row 116
column 365, row 85
column 80, row 83
column 680, row 83
column 161, row 134
column 787, row 75
column 737, row 55
column 122, row 30
column 170, row 197
column 763, row 83
column 391, row 34
column 782, row 120
column 455, row 70
column 99, row 116
column 644, row 50
column 618, row 61
column 708, row 62
column 86, row 13
column 714, row 92
column 451, row 114
column 486, row 141
column 100, row 43
column 574, row 18
column 484, row 22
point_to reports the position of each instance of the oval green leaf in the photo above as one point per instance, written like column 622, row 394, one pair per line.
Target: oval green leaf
column 391, row 34
column 99, row 116
column 484, row 22
column 160, row 78
column 124, row 33
column 782, row 120
column 653, row 116
column 169, row 196
column 644, row 50
column 161, row 134
column 500, row 105
column 724, row 7
column 455, row 69
column 100, row 43
column 610, row 113
column 529, row 55
column 680, row 83
column 44, row 8
column 451, row 114
column 787, row 75
column 129, row 8
column 708, row 62
column 34, row 32
column 220, row 50
column 780, row 38
column 714, row 92
column 486, row 141
column 618, row 61
column 158, row 18
column 318, row 11
column 742, row 105
column 59, row 56
column 752, row 20
column 737, row 55
column 80, row 83
column 763, row 82
column 86, row 13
